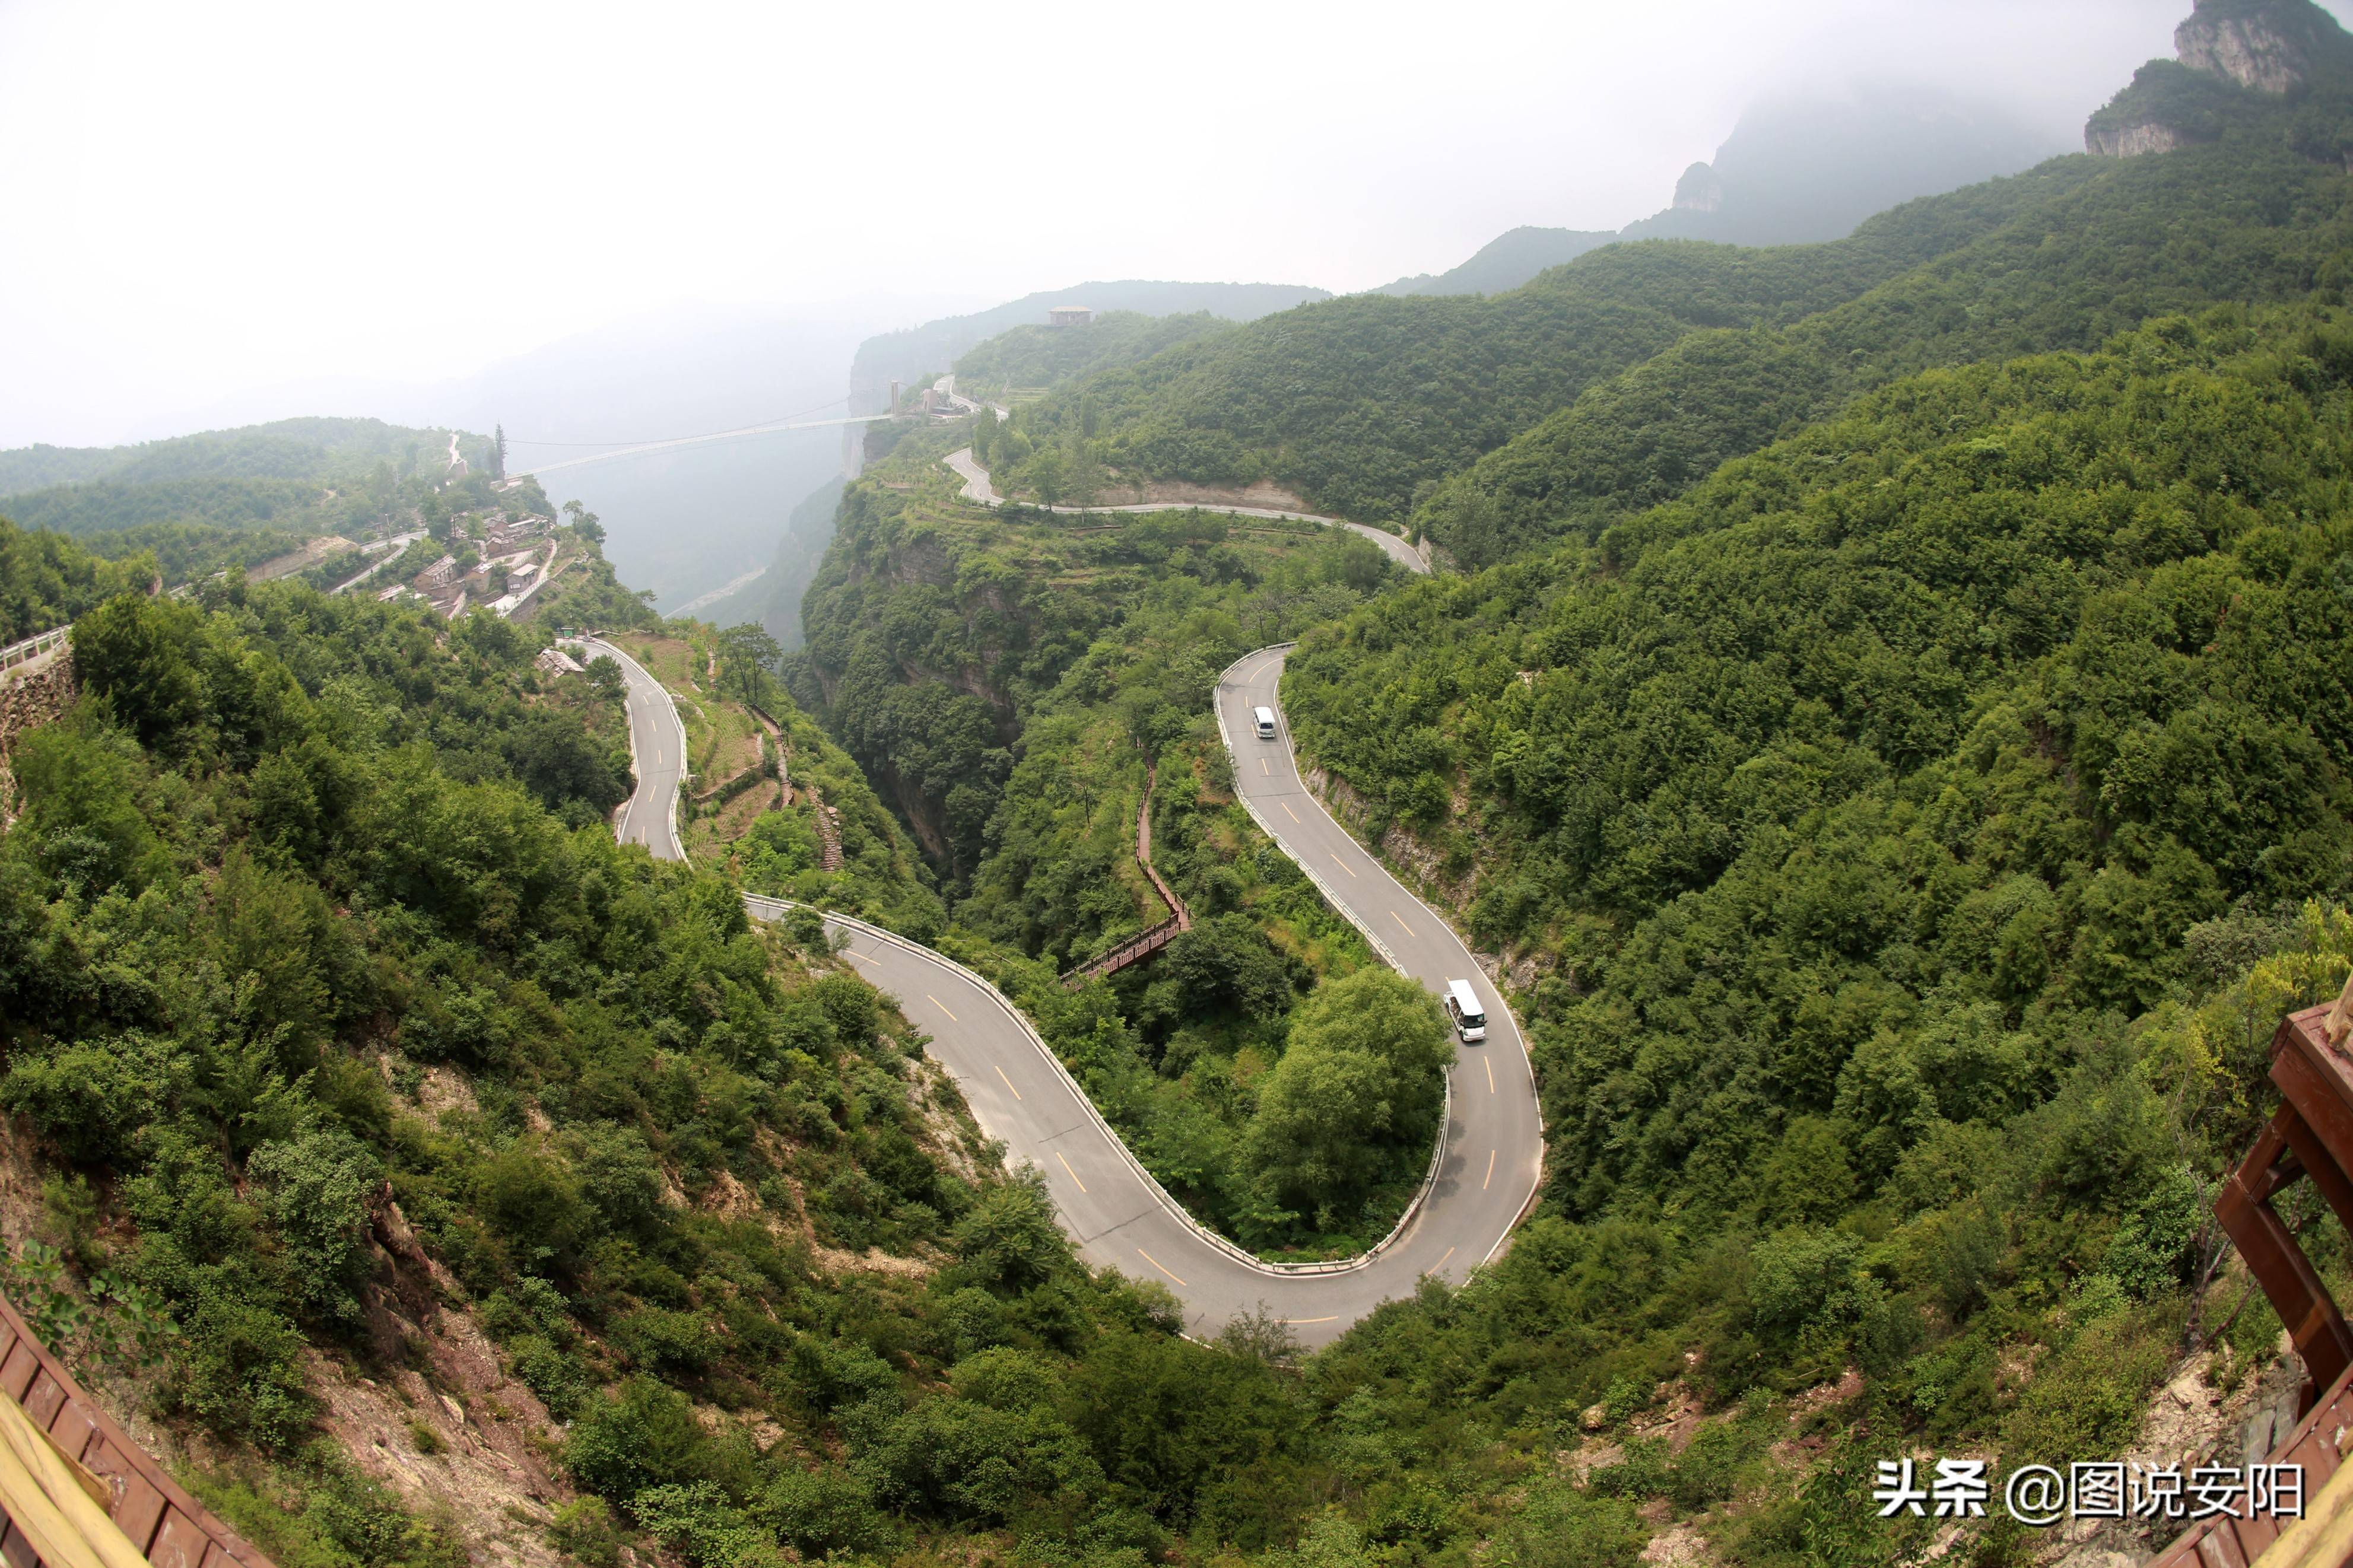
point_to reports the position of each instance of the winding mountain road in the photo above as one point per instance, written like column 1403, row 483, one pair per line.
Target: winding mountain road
column 978, row 489
column 1487, row 1167
column 657, row 755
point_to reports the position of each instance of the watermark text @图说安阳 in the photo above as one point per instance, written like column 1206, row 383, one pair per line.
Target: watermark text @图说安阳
column 2042, row 1495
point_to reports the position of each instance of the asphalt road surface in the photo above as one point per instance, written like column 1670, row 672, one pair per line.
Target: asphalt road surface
column 656, row 754
column 1114, row 1211
column 1494, row 1154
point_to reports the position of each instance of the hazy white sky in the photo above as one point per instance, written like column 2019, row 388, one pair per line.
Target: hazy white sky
column 200, row 199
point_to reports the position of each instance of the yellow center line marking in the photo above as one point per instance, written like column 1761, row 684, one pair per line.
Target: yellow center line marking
column 1333, row 1318
column 1491, row 1170
column 1490, row 1063
column 1261, row 765
column 1066, row 1171
column 1337, row 861
column 853, row 953
column 1289, row 813
column 1157, row 1264
column 1009, row 1082
column 941, row 1006
column 1400, row 921
column 1442, row 1262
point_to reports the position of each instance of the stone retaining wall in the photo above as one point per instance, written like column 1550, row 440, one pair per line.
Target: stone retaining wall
column 35, row 693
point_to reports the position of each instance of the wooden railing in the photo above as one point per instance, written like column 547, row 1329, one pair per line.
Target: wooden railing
column 1134, row 950
column 162, row 1520
column 2310, row 1137
column 1143, row 945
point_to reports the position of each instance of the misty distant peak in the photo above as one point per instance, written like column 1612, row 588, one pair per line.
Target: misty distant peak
column 1796, row 170
column 1701, row 190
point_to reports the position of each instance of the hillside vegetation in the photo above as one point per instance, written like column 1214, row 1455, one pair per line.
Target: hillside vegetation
column 1012, row 681
column 1890, row 740
column 1360, row 403
column 287, row 449
column 1035, row 358
column 935, row 629
column 1875, row 821
column 200, row 504
column 45, row 581
column 1618, row 380
column 2246, row 219
column 627, row 1125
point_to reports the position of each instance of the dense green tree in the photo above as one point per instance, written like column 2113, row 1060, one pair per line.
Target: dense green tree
column 1361, row 1081
column 747, row 662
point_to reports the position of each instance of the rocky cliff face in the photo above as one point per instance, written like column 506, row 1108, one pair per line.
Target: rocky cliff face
column 2131, row 140
column 2224, row 50
column 2263, row 50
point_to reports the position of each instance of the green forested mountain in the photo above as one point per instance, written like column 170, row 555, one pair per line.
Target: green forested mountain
column 202, row 503
column 1507, row 261
column 928, row 349
column 1368, row 407
column 1032, row 358
column 2244, row 219
column 1890, row 738
column 1364, row 402
column 1908, row 840
column 99, row 506
column 285, row 450
column 1878, row 819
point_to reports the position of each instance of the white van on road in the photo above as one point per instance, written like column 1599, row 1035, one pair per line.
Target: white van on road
column 1265, row 717
column 1462, row 1006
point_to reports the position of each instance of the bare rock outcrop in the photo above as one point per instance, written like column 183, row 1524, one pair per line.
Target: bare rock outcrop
column 2259, row 49
column 2131, row 140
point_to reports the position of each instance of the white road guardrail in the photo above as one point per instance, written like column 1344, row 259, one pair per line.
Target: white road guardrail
column 33, row 647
